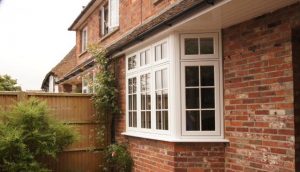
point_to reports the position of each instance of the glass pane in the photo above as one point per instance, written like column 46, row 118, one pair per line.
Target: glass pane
column 148, row 102
column 207, row 75
column 133, row 85
column 165, row 120
column 147, row 60
column 192, row 98
column 134, row 102
column 130, row 119
column 191, row 76
column 206, row 46
column 130, row 102
column 158, row 99
column 142, row 58
column 164, row 78
column 192, row 121
column 164, row 50
column 207, row 97
column 148, row 119
column 148, row 82
column 134, row 124
column 143, row 101
column 158, row 84
column 143, row 119
column 191, row 46
column 208, row 120
column 143, row 83
column 165, row 99
column 131, row 62
column 157, row 52
column 158, row 120
column 129, row 86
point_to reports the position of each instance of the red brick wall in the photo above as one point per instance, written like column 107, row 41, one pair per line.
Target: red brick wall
column 159, row 156
column 132, row 14
column 258, row 90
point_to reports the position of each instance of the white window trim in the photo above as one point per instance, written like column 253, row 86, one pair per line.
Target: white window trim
column 151, row 68
column 84, row 39
column 216, row 53
column 111, row 27
column 217, row 131
column 174, row 62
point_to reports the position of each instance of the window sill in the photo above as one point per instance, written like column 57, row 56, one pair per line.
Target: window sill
column 109, row 33
column 82, row 53
column 175, row 140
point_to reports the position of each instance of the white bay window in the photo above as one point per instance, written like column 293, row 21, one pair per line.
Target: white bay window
column 179, row 83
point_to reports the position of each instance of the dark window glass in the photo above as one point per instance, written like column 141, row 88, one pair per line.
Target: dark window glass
column 208, row 120
column 207, row 75
column 191, row 46
column 192, row 121
column 192, row 76
column 206, row 46
column 207, row 97
column 192, row 98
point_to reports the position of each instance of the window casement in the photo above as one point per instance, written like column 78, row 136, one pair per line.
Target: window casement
column 177, row 85
column 201, row 94
column 84, row 39
column 109, row 15
column 147, row 90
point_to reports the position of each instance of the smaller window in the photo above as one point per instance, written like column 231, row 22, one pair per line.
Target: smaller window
column 145, row 57
column 194, row 46
column 161, row 51
column 145, row 101
column 84, row 39
column 161, row 94
column 131, row 62
column 132, row 102
column 104, row 19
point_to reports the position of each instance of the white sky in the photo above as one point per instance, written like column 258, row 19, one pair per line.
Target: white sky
column 34, row 37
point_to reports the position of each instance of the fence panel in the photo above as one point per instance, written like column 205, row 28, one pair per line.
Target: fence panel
column 76, row 110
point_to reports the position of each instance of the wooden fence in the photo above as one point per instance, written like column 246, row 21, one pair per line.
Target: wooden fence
column 76, row 110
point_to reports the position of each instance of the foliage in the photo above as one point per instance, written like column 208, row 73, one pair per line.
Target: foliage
column 117, row 158
column 105, row 97
column 8, row 84
column 27, row 133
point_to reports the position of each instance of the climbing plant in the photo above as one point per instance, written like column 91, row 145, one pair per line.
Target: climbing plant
column 116, row 158
column 105, row 97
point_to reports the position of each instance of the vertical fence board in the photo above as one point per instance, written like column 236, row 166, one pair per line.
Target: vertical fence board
column 76, row 110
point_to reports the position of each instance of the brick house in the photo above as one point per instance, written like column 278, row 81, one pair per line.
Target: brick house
column 62, row 68
column 205, row 85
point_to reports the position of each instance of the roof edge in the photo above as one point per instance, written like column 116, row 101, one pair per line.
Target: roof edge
column 89, row 5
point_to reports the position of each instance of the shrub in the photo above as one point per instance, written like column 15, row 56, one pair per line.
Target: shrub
column 27, row 133
column 117, row 158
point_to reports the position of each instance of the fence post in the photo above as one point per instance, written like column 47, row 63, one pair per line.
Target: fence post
column 22, row 96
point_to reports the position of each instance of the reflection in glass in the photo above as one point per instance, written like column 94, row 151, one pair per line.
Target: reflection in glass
column 207, row 75
column 192, row 121
column 131, row 62
column 208, row 120
column 206, row 46
column 191, row 46
column 192, row 98
column 207, row 97
column 191, row 76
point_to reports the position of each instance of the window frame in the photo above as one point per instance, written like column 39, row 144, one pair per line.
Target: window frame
column 215, row 55
column 137, row 72
column 217, row 95
column 84, row 39
column 110, row 25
